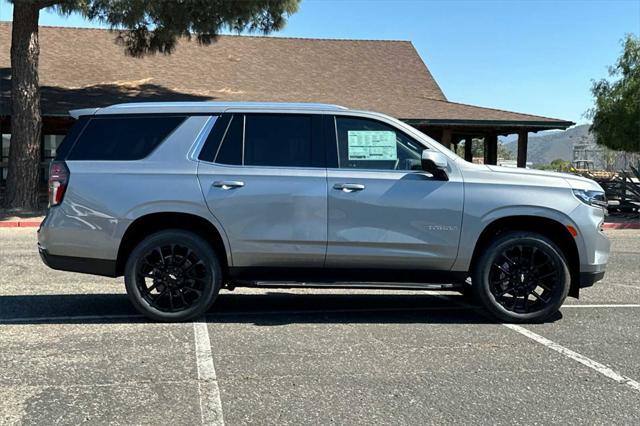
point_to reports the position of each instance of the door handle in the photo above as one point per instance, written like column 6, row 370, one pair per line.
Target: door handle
column 349, row 187
column 228, row 184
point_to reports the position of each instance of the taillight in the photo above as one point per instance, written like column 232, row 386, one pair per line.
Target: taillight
column 58, row 181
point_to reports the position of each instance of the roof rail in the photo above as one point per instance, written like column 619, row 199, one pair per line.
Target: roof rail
column 200, row 107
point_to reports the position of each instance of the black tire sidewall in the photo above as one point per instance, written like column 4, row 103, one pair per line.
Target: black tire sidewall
column 202, row 249
column 480, row 278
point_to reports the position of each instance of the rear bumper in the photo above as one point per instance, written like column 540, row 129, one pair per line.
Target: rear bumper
column 83, row 265
column 587, row 279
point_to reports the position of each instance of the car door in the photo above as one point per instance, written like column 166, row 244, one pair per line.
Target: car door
column 384, row 211
column 265, row 182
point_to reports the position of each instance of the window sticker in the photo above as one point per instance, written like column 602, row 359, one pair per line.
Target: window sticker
column 372, row 145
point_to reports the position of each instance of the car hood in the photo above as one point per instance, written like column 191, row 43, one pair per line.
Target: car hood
column 573, row 181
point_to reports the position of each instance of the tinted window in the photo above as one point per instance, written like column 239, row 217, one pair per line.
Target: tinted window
column 231, row 148
column 370, row 144
column 212, row 144
column 122, row 138
column 70, row 138
column 277, row 140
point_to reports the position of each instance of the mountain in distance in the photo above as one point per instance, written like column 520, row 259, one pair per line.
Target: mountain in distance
column 545, row 147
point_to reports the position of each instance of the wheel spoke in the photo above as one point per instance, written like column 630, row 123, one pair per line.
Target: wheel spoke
column 504, row 292
column 159, row 250
column 185, row 258
column 501, row 269
column 508, row 259
column 184, row 301
column 171, row 299
column 532, row 258
column 526, row 303
column 191, row 267
column 539, row 297
column 547, row 275
column 195, row 290
column 157, row 298
column 543, row 286
column 153, row 286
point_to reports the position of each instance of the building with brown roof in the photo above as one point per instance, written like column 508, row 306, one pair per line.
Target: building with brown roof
column 86, row 68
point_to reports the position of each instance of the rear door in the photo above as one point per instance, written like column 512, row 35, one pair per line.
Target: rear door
column 265, row 181
column 384, row 211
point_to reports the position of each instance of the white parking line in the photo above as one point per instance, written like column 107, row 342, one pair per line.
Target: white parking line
column 613, row 305
column 626, row 285
column 210, row 403
column 594, row 365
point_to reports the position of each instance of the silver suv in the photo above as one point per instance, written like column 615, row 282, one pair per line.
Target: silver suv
column 184, row 199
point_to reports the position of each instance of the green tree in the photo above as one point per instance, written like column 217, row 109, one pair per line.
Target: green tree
column 616, row 115
column 142, row 26
column 503, row 152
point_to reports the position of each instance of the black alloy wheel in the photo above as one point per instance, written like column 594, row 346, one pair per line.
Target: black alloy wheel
column 522, row 277
column 173, row 275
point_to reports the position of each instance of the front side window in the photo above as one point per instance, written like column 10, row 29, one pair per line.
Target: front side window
column 122, row 138
column 370, row 144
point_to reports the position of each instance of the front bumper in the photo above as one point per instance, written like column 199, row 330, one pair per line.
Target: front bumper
column 587, row 279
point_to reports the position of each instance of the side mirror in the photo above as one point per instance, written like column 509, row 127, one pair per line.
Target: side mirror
column 435, row 163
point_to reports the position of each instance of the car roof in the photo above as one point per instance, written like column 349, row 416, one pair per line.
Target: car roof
column 202, row 107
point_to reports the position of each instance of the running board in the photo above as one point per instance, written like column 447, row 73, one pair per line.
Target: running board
column 344, row 285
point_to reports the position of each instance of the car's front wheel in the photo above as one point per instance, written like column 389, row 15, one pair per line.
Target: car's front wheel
column 521, row 277
column 173, row 275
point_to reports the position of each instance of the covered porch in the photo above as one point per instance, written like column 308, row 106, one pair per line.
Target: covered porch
column 454, row 124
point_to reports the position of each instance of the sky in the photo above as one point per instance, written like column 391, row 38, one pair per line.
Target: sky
column 532, row 56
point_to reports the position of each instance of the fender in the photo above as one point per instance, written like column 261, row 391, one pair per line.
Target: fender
column 174, row 206
column 472, row 228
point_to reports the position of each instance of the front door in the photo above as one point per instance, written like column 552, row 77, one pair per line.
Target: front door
column 384, row 211
column 267, row 187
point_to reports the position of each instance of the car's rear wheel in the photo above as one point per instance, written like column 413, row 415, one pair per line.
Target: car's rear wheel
column 522, row 277
column 173, row 275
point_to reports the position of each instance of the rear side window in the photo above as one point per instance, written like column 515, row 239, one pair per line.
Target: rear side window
column 277, row 140
column 70, row 138
column 231, row 148
column 122, row 138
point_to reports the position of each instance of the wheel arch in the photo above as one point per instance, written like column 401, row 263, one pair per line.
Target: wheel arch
column 550, row 228
column 147, row 224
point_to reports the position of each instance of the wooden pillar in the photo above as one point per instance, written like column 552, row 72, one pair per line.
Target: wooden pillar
column 468, row 149
column 491, row 149
column 523, row 139
column 446, row 138
column 485, row 148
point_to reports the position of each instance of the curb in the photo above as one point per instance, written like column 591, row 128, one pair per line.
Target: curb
column 614, row 225
column 20, row 224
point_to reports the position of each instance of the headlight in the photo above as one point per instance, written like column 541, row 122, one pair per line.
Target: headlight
column 592, row 198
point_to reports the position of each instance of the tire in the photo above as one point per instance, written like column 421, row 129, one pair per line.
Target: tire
column 521, row 277
column 173, row 275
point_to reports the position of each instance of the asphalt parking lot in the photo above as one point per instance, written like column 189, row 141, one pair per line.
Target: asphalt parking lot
column 72, row 350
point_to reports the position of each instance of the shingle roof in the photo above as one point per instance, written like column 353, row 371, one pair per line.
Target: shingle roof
column 86, row 68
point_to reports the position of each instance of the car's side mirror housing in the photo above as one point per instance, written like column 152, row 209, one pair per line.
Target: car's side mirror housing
column 435, row 163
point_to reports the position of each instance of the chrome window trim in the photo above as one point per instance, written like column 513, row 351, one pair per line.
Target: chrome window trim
column 224, row 136
column 203, row 134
